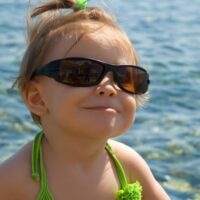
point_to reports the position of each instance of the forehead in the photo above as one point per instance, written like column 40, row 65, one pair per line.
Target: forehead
column 106, row 44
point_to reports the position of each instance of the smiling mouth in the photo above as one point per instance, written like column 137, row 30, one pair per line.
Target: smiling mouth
column 102, row 108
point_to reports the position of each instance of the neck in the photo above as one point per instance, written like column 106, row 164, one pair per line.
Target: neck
column 72, row 149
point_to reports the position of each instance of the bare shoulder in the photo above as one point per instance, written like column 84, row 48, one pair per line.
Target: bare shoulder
column 137, row 169
column 15, row 175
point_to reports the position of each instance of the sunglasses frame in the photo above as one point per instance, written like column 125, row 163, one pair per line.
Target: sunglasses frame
column 51, row 70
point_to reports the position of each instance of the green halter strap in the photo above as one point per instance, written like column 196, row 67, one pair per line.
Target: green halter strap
column 118, row 167
column 37, row 156
column 38, row 169
column 127, row 191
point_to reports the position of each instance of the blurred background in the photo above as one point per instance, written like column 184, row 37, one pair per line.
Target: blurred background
column 166, row 35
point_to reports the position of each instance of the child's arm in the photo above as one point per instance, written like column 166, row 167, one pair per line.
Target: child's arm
column 137, row 169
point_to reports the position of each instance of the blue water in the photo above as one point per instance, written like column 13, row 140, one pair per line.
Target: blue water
column 166, row 35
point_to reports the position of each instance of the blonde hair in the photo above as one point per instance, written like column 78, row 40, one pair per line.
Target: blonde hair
column 50, row 21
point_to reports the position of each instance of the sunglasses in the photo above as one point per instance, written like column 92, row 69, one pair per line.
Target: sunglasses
column 84, row 72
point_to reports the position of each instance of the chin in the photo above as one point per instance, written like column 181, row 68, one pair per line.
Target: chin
column 104, row 127
column 105, row 131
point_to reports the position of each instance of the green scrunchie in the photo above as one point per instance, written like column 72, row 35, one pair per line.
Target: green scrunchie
column 81, row 4
column 130, row 192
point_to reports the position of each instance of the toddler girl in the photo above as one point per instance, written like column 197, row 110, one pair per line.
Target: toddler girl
column 81, row 81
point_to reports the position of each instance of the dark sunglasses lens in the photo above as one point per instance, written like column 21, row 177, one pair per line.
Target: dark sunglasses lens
column 133, row 79
column 79, row 72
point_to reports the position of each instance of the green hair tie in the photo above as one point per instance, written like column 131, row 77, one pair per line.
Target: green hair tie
column 81, row 4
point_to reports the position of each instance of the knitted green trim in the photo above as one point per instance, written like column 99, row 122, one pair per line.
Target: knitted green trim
column 130, row 192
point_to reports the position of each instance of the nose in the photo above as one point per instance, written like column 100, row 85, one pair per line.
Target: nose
column 107, row 86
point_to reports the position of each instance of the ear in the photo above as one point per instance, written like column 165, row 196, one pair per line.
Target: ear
column 33, row 98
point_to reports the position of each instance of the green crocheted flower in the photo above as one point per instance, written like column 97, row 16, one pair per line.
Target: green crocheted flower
column 130, row 192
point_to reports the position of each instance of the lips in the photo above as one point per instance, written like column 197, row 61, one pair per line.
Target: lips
column 102, row 108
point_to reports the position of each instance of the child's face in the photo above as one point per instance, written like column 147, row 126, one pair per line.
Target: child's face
column 100, row 111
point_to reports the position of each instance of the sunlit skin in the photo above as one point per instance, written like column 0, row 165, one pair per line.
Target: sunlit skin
column 100, row 111
column 77, row 123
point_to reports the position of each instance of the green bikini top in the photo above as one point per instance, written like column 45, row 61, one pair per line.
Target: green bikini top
column 126, row 192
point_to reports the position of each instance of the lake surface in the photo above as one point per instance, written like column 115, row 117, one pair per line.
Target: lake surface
column 166, row 133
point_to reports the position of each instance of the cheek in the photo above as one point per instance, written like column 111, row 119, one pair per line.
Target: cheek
column 64, row 102
column 129, row 110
